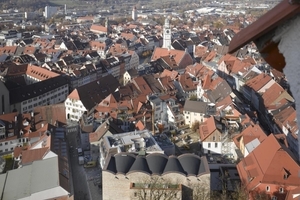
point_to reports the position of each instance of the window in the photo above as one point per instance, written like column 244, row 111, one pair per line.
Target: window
column 216, row 145
column 268, row 188
column 281, row 190
column 135, row 194
column 6, row 143
column 214, row 138
column 208, row 145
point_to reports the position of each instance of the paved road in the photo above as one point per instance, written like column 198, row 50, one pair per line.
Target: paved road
column 85, row 181
column 81, row 191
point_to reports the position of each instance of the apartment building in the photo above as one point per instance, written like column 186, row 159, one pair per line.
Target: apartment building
column 51, row 91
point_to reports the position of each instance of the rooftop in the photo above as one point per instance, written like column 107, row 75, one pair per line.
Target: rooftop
column 133, row 142
column 157, row 164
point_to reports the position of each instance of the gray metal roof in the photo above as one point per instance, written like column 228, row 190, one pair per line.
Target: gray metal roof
column 111, row 165
column 140, row 164
column 195, row 106
column 173, row 165
column 39, row 176
column 2, row 182
column 190, row 163
column 157, row 162
column 124, row 162
column 203, row 168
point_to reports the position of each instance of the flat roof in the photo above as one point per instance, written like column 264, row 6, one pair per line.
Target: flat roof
column 34, row 178
column 2, row 182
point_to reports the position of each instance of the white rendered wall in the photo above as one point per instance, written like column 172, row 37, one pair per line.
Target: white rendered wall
column 289, row 46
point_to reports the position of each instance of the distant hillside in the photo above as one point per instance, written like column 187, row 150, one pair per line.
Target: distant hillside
column 25, row 4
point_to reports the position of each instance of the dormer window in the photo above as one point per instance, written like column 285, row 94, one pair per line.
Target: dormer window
column 281, row 190
column 268, row 188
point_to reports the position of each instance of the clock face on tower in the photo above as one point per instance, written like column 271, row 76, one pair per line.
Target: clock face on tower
column 167, row 31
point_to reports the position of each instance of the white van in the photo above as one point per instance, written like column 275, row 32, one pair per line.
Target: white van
column 79, row 151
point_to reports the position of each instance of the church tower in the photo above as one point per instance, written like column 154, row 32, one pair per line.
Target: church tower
column 167, row 34
column 107, row 25
column 134, row 13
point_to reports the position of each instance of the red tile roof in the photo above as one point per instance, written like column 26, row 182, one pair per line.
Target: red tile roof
column 140, row 126
column 207, row 128
column 249, row 134
column 172, row 74
column 258, row 81
column 39, row 72
column 177, row 55
column 31, row 155
column 98, row 28
column 275, row 94
column 268, row 164
column 74, row 95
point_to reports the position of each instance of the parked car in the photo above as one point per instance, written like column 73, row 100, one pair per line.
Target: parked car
column 90, row 164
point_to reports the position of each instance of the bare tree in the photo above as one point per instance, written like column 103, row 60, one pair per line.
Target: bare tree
column 200, row 191
column 156, row 188
column 195, row 126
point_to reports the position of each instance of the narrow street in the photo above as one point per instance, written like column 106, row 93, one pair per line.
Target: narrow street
column 85, row 180
column 81, row 191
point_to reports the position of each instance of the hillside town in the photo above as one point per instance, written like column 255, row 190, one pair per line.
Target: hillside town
column 93, row 107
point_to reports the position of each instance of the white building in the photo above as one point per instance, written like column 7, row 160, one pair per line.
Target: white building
column 74, row 106
column 50, row 11
column 86, row 97
column 197, row 111
column 167, row 34
column 128, row 142
column 51, row 91
column 159, row 106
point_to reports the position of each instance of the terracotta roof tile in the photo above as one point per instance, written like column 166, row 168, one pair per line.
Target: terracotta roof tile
column 31, row 155
column 98, row 28
column 172, row 74
column 177, row 55
column 140, row 126
column 258, row 81
column 274, row 94
column 272, row 162
column 207, row 128
column 40, row 73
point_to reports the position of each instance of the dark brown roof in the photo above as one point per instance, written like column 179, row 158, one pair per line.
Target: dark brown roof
column 26, row 92
column 269, row 21
column 93, row 93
